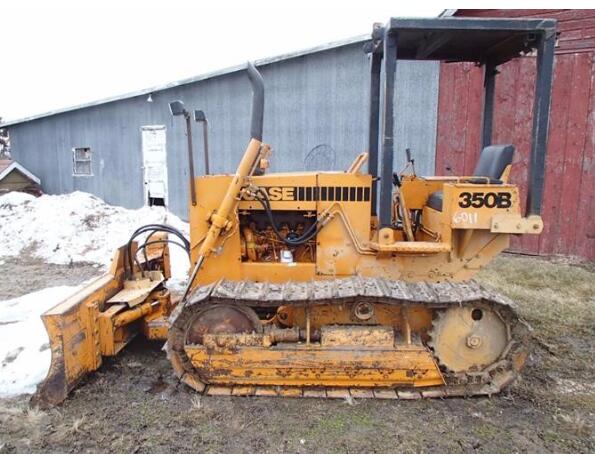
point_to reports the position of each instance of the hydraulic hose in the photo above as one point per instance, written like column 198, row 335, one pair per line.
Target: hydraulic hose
column 153, row 228
column 262, row 197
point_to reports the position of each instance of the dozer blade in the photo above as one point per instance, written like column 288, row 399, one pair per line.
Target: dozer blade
column 85, row 326
column 73, row 331
column 73, row 334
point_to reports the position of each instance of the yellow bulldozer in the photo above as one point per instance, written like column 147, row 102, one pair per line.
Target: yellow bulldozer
column 333, row 283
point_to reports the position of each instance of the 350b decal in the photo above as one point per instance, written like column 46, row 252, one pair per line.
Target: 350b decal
column 485, row 199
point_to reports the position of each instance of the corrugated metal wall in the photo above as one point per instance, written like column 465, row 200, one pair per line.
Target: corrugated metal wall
column 568, row 208
column 315, row 118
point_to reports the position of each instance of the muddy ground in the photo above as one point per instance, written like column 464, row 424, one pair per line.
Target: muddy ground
column 133, row 404
column 29, row 274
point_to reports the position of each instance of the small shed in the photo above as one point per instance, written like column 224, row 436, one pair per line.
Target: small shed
column 14, row 177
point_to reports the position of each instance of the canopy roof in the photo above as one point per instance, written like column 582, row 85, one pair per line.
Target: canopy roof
column 463, row 39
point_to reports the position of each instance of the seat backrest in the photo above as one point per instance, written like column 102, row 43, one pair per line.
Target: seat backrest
column 493, row 160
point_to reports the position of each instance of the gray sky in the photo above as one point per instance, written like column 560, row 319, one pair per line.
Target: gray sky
column 62, row 55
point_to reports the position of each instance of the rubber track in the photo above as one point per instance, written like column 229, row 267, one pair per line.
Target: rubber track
column 437, row 295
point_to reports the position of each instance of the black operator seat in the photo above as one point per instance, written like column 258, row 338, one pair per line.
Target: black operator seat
column 491, row 164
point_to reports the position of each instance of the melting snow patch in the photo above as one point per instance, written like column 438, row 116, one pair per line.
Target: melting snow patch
column 24, row 346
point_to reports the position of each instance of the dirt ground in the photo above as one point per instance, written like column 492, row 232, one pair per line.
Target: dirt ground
column 29, row 274
column 134, row 404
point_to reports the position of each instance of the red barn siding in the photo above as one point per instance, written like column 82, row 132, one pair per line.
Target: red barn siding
column 568, row 204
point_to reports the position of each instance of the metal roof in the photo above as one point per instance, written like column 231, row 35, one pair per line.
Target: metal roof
column 190, row 80
column 462, row 39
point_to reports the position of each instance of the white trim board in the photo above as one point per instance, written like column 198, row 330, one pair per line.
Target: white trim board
column 20, row 168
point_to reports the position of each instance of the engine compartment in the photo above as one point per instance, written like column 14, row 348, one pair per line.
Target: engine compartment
column 260, row 243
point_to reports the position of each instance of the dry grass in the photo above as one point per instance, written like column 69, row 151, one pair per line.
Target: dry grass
column 66, row 430
column 18, row 413
column 77, row 424
column 349, row 400
column 575, row 422
column 196, row 402
column 557, row 299
column 9, row 411
column 27, row 424
column 34, row 416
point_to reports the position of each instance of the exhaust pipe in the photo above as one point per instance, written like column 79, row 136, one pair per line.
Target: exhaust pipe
column 257, row 101
column 177, row 108
column 200, row 117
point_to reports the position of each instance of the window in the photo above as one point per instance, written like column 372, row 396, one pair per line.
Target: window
column 81, row 161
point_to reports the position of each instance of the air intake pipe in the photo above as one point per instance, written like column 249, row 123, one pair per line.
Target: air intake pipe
column 257, row 102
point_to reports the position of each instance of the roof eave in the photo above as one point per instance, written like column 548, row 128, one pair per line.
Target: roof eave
column 16, row 166
column 190, row 80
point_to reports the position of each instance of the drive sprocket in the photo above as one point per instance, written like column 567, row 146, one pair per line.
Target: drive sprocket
column 469, row 338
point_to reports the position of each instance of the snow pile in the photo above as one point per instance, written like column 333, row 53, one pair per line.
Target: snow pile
column 24, row 346
column 77, row 227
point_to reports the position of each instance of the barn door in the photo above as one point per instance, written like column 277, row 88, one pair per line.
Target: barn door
column 154, row 165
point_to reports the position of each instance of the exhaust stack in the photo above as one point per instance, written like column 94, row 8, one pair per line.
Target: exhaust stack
column 257, row 101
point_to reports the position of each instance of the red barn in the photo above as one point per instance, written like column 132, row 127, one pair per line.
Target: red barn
column 568, row 204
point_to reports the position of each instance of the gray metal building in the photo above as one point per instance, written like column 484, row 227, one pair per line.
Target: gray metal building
column 315, row 118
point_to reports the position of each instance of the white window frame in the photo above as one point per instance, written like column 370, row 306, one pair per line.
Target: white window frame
column 75, row 160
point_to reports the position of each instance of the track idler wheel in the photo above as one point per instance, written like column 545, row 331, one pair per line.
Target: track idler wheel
column 193, row 322
column 221, row 319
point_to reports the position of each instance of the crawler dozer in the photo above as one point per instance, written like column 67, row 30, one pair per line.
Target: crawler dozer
column 333, row 284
